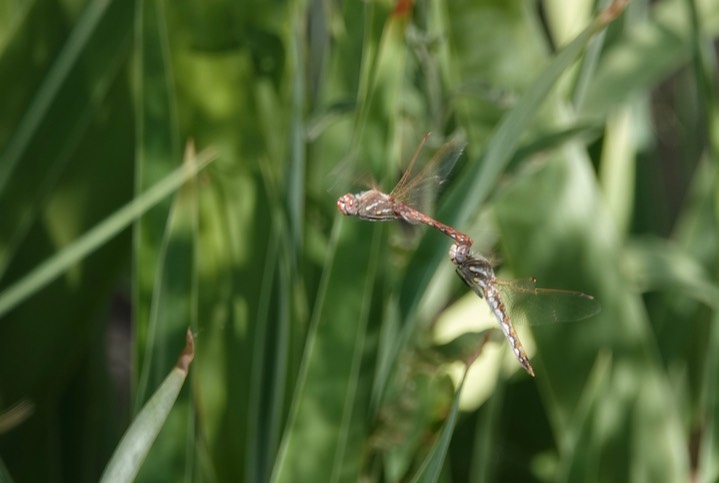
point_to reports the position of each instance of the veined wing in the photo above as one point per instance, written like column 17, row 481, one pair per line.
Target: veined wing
column 528, row 304
column 417, row 188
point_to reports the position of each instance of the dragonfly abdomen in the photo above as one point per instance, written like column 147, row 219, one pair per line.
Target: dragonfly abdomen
column 505, row 323
column 409, row 214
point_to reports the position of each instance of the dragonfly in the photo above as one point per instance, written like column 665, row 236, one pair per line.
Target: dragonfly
column 519, row 299
column 374, row 205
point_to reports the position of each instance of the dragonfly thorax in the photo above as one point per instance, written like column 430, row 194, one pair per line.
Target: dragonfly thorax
column 371, row 205
column 479, row 271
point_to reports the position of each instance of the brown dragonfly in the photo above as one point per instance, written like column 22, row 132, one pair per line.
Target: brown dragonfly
column 374, row 205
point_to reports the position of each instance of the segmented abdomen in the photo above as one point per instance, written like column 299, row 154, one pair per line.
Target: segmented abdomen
column 505, row 323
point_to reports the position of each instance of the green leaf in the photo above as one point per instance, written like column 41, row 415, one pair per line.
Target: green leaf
column 432, row 466
column 139, row 437
column 328, row 391
column 96, row 237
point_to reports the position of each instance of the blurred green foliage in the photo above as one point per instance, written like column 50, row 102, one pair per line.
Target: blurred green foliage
column 322, row 351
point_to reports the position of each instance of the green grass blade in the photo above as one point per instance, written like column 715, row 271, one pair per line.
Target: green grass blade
column 4, row 473
column 15, row 415
column 572, row 224
column 432, row 466
column 59, row 143
column 174, row 300
column 139, row 437
column 486, row 438
column 472, row 190
column 583, row 450
column 45, row 95
column 331, row 367
column 709, row 452
column 618, row 173
column 96, row 237
column 156, row 149
column 654, row 264
column 707, row 75
column 646, row 54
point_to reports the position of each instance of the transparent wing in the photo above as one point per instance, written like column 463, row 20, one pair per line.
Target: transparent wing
column 405, row 182
column 419, row 188
column 528, row 304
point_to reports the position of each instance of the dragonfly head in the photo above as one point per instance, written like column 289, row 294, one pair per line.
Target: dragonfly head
column 347, row 204
column 458, row 254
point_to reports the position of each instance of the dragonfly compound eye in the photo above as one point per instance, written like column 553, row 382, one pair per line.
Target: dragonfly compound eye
column 347, row 204
column 458, row 253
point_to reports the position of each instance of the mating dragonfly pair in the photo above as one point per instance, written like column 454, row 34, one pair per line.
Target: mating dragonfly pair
column 506, row 299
